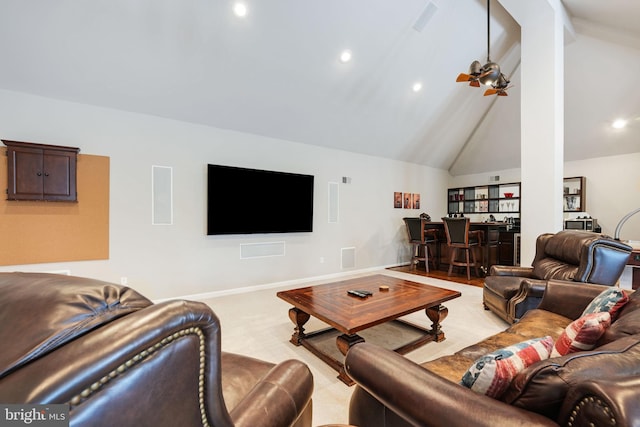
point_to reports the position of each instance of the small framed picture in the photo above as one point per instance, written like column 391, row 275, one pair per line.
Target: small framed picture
column 397, row 200
column 408, row 200
column 416, row 200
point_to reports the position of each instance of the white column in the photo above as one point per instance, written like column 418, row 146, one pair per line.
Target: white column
column 542, row 118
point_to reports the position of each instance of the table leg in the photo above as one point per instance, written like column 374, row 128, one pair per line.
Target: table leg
column 344, row 343
column 299, row 318
column 437, row 314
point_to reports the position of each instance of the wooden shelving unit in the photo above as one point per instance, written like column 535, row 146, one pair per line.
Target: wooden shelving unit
column 490, row 199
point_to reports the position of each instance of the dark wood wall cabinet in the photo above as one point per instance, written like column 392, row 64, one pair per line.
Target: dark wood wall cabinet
column 41, row 172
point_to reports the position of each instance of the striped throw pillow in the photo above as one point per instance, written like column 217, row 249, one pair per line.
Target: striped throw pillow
column 491, row 374
column 582, row 334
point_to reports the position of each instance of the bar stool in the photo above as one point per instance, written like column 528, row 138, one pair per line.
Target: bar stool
column 459, row 237
column 419, row 237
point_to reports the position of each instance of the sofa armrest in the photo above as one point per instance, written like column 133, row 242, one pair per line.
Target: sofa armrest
column 568, row 299
column 407, row 389
column 278, row 399
column 603, row 402
column 510, row 270
column 528, row 297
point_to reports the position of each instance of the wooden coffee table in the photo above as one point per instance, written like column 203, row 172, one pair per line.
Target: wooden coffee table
column 350, row 314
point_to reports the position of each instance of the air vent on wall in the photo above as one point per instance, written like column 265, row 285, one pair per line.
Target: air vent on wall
column 348, row 258
column 261, row 250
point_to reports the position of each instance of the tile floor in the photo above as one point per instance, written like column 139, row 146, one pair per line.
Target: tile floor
column 262, row 329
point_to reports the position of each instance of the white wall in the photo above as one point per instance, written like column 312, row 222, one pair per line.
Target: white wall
column 167, row 261
column 613, row 190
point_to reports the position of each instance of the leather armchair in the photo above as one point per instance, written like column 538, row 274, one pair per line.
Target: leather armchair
column 570, row 255
column 119, row 360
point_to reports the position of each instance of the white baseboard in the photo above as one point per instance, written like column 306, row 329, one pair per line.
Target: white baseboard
column 286, row 283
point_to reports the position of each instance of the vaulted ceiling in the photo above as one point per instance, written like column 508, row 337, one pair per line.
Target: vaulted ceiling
column 276, row 72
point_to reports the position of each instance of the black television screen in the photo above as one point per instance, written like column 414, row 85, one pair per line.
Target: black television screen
column 247, row 201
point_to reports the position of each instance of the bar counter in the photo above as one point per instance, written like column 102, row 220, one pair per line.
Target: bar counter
column 496, row 234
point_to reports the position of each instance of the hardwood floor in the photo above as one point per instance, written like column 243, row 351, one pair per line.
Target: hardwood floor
column 440, row 274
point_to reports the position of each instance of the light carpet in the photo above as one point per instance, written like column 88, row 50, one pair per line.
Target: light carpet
column 256, row 324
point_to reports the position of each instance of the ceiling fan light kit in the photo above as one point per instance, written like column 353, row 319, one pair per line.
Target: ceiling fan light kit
column 488, row 74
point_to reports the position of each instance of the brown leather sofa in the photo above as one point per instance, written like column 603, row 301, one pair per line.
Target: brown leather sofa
column 599, row 387
column 119, row 360
column 576, row 256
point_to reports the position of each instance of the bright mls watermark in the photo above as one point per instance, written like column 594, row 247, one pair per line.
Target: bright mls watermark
column 53, row 415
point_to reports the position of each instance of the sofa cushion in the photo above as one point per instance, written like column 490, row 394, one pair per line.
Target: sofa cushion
column 542, row 387
column 582, row 334
column 611, row 300
column 450, row 367
column 539, row 323
column 491, row 374
column 490, row 344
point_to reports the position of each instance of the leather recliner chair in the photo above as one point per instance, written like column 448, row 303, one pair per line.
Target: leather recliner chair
column 575, row 256
column 117, row 359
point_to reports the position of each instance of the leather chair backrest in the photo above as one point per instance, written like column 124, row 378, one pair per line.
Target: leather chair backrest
column 580, row 256
column 413, row 229
column 57, row 312
column 567, row 246
column 457, row 230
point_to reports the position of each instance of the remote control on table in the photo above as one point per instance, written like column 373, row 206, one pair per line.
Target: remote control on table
column 360, row 294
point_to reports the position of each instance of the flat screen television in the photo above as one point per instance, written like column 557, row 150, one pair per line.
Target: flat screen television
column 248, row 201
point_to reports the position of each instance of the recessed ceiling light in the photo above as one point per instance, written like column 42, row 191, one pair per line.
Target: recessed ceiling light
column 417, row 87
column 240, row 9
column 345, row 56
column 619, row 123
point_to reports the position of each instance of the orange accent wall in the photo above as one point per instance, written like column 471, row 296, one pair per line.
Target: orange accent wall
column 38, row 232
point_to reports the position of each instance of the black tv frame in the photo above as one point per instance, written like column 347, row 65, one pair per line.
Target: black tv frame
column 258, row 201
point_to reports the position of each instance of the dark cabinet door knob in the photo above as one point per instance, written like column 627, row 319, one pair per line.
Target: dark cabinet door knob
column 39, row 174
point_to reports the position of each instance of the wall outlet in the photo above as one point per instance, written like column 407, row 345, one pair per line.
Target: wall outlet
column 124, row 281
column 321, row 260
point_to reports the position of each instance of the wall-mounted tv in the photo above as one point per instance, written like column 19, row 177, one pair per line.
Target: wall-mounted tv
column 248, row 201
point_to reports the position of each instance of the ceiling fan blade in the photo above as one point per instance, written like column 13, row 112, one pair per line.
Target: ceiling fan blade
column 462, row 77
column 474, row 83
column 490, row 92
column 503, row 93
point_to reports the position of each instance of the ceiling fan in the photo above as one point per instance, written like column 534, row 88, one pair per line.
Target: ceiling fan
column 499, row 87
column 488, row 74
